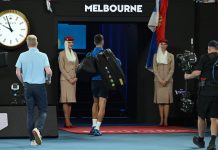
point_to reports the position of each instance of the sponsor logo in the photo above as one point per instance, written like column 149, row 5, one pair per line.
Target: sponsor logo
column 3, row 120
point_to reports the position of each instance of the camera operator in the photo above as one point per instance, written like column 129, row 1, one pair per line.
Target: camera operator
column 207, row 103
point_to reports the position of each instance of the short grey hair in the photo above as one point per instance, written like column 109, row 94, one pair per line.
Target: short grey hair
column 31, row 40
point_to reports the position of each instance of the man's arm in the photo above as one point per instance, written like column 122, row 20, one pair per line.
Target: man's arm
column 48, row 72
column 19, row 74
column 198, row 69
column 193, row 75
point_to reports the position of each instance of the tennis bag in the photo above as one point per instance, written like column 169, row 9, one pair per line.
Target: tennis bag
column 110, row 70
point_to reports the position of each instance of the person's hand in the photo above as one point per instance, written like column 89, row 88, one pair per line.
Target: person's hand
column 48, row 79
column 48, row 83
column 73, row 80
column 186, row 76
column 162, row 82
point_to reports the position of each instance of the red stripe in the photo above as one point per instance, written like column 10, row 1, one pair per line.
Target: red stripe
column 163, row 14
column 132, row 130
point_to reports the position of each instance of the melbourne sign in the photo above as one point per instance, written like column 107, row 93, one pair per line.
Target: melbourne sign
column 105, row 8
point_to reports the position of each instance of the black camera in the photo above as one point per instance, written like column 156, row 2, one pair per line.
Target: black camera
column 186, row 61
column 17, row 97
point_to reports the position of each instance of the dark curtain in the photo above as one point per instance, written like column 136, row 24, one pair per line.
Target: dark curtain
column 116, row 38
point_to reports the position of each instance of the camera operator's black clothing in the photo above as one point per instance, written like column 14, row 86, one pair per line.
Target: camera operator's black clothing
column 205, row 65
column 207, row 103
column 207, row 106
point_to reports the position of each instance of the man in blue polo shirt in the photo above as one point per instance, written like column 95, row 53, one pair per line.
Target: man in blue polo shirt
column 31, row 68
column 99, row 91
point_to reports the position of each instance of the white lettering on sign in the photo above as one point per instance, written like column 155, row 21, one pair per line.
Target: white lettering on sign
column 113, row 8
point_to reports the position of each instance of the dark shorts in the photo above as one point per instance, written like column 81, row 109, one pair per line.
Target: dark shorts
column 99, row 89
column 207, row 106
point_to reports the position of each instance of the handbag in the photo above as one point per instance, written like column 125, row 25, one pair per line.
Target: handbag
column 87, row 68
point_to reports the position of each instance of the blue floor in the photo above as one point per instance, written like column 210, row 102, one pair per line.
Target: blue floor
column 69, row 141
